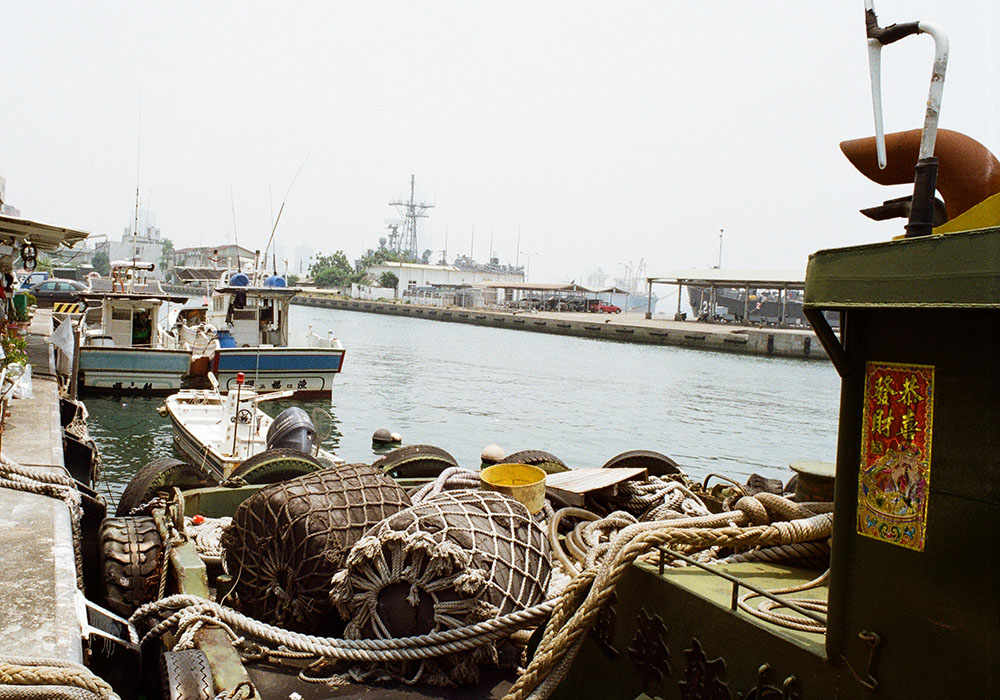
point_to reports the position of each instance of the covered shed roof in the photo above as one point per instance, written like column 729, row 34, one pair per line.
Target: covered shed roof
column 43, row 236
column 735, row 277
column 538, row 287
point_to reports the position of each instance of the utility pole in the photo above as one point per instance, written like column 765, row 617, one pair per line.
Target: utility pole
column 720, row 249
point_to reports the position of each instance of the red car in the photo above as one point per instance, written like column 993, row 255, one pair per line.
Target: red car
column 607, row 308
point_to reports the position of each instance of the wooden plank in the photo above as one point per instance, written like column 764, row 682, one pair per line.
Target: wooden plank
column 573, row 486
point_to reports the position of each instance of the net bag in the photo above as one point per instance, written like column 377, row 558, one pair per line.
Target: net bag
column 452, row 560
column 287, row 541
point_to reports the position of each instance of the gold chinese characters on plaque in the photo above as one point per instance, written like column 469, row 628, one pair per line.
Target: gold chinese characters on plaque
column 895, row 470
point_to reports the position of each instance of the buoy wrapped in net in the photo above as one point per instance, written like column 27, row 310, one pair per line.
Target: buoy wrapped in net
column 287, row 541
column 451, row 560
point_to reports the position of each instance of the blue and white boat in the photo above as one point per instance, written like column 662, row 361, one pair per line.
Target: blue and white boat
column 247, row 331
column 130, row 352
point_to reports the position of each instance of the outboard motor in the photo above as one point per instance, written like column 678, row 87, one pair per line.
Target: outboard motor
column 292, row 429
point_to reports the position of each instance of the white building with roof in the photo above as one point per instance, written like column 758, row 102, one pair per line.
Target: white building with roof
column 416, row 276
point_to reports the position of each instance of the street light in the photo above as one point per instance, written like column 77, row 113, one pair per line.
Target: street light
column 527, row 268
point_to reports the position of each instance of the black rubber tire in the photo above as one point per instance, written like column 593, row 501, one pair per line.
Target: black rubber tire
column 186, row 675
column 415, row 461
column 538, row 458
column 278, row 464
column 159, row 474
column 129, row 561
column 655, row 463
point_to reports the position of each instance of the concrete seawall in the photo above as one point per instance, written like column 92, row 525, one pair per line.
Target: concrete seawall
column 626, row 327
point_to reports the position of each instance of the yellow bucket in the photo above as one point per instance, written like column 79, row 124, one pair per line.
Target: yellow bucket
column 524, row 482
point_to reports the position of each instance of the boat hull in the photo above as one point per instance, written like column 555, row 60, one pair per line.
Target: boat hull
column 145, row 370
column 194, row 451
column 306, row 371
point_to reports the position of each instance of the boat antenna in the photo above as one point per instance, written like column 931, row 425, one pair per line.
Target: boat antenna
column 236, row 236
column 282, row 208
column 138, row 165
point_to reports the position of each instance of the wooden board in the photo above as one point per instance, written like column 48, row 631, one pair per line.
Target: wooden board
column 573, row 486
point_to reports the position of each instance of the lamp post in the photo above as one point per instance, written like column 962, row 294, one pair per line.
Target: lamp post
column 527, row 268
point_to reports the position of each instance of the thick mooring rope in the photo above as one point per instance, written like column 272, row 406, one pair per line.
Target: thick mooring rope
column 587, row 594
column 21, row 674
column 179, row 611
column 54, row 484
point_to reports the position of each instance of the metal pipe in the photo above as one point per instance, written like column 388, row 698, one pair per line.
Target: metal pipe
column 739, row 582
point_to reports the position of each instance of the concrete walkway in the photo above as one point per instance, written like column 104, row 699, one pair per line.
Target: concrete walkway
column 38, row 588
column 623, row 327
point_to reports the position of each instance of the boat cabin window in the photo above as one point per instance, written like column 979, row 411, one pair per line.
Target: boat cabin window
column 142, row 327
column 130, row 326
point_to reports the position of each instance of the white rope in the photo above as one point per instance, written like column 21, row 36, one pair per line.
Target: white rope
column 189, row 610
column 25, row 673
column 54, row 484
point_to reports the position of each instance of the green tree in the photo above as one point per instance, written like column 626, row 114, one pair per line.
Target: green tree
column 388, row 280
column 377, row 257
column 292, row 280
column 333, row 270
column 101, row 263
column 168, row 250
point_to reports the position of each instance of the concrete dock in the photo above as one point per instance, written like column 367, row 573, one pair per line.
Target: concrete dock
column 623, row 327
column 39, row 600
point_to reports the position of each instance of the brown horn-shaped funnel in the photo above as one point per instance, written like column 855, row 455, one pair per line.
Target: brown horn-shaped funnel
column 967, row 173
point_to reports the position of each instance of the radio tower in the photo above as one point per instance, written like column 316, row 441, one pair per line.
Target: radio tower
column 411, row 211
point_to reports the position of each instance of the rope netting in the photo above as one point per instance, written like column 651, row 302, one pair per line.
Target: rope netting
column 451, row 560
column 288, row 540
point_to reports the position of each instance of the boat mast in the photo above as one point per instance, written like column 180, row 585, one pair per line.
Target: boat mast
column 411, row 211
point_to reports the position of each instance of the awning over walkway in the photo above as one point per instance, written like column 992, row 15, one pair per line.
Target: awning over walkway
column 15, row 230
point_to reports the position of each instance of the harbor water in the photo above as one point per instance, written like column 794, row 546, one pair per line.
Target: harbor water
column 462, row 387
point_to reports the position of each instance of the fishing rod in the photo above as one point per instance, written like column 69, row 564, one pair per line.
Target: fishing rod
column 281, row 209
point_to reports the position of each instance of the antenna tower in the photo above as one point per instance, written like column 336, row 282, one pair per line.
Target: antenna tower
column 411, row 211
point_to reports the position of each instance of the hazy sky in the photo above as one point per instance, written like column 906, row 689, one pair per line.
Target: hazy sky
column 605, row 132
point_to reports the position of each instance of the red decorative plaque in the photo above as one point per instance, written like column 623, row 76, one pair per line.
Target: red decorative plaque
column 896, row 453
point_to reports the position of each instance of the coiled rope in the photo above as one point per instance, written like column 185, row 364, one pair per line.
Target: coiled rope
column 21, row 677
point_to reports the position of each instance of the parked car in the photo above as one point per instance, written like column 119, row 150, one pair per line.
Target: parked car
column 27, row 280
column 53, row 290
column 607, row 308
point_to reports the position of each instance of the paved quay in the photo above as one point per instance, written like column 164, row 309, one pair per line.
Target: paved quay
column 38, row 585
column 623, row 327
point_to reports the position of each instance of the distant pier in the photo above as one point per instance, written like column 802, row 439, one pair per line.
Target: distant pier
column 624, row 327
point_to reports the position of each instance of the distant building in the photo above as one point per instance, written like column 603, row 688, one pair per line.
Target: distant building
column 6, row 209
column 213, row 257
column 303, row 259
column 416, row 276
column 145, row 246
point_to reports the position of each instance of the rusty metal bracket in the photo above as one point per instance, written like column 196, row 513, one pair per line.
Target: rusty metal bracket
column 873, row 640
column 829, row 340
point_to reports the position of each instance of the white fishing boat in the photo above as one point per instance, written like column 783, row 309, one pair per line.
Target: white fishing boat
column 220, row 431
column 130, row 351
column 247, row 331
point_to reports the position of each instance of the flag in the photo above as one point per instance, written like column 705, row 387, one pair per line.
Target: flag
column 62, row 338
